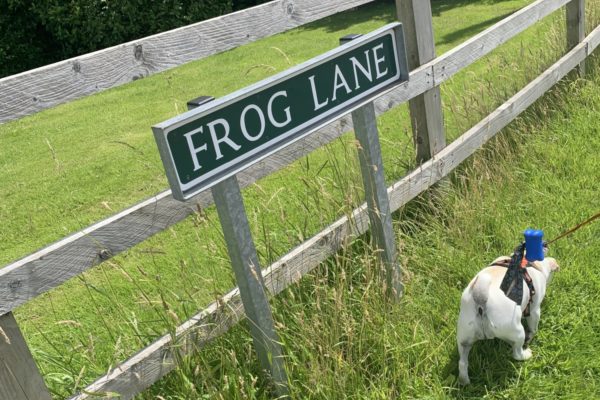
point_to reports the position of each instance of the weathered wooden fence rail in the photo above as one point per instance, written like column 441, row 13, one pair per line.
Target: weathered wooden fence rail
column 29, row 92
column 55, row 264
column 156, row 360
column 48, row 268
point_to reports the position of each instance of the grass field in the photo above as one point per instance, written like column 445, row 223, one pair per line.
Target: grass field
column 342, row 339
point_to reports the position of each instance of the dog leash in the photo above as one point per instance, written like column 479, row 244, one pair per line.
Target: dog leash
column 576, row 227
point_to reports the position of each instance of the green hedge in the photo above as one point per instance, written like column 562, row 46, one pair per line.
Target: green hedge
column 36, row 33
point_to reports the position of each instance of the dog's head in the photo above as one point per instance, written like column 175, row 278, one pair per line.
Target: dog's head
column 549, row 266
column 552, row 264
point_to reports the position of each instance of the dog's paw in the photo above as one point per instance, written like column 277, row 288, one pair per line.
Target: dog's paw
column 527, row 353
column 522, row 354
column 464, row 380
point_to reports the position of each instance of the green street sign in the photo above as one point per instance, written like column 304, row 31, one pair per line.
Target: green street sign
column 205, row 145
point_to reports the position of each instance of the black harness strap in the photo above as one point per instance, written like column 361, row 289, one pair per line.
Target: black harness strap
column 529, row 283
column 512, row 284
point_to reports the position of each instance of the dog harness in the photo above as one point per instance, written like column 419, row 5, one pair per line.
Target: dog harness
column 512, row 284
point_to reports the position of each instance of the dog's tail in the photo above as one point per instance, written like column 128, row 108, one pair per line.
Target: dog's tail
column 480, row 290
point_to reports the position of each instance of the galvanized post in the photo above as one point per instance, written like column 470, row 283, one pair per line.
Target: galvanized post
column 244, row 261
column 380, row 216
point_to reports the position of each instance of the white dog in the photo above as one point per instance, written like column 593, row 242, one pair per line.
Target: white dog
column 487, row 313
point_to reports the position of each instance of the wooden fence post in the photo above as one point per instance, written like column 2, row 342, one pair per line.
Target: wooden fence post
column 20, row 378
column 426, row 109
column 576, row 27
column 246, row 267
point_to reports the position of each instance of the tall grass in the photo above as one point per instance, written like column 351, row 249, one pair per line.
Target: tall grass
column 342, row 338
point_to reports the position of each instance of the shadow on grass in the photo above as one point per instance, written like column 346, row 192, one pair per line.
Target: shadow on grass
column 491, row 368
column 385, row 12
column 440, row 6
column 380, row 11
column 471, row 30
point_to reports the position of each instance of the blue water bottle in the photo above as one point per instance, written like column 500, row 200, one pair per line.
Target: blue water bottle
column 534, row 248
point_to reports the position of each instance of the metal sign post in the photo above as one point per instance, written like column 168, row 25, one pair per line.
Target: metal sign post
column 244, row 261
column 380, row 216
column 206, row 146
column 371, row 167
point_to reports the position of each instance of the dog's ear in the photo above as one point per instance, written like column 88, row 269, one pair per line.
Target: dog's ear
column 552, row 264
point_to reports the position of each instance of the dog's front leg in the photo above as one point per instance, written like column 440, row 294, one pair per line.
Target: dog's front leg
column 533, row 320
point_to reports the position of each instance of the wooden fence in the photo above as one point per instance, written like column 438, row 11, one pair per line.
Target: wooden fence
column 41, row 271
column 61, row 82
